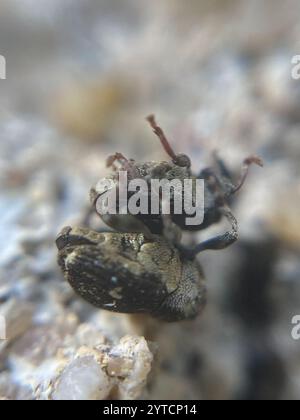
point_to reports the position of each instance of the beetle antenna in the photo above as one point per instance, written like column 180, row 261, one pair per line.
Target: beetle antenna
column 161, row 135
column 116, row 157
column 245, row 170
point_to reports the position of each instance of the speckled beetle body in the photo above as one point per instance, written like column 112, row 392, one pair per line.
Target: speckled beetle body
column 219, row 187
column 130, row 274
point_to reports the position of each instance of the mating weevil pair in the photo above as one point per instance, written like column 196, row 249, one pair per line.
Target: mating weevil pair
column 143, row 268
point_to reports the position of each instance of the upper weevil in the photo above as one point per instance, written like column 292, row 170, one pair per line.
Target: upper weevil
column 144, row 268
column 219, row 187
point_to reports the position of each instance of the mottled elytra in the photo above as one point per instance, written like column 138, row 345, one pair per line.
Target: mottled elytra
column 128, row 273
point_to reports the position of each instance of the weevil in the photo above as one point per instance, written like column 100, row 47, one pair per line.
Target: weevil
column 128, row 273
column 219, row 188
column 142, row 267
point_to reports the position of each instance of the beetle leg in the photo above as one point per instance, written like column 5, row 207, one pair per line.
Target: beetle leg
column 221, row 241
column 117, row 157
column 127, row 165
column 244, row 172
column 225, row 182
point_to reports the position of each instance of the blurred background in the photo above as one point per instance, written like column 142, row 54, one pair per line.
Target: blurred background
column 81, row 75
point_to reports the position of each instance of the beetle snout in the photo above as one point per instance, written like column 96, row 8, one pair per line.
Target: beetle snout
column 62, row 238
column 67, row 238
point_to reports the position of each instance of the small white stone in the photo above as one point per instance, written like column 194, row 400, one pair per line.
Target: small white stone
column 82, row 379
column 133, row 359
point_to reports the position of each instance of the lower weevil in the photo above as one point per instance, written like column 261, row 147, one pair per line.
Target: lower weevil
column 128, row 273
